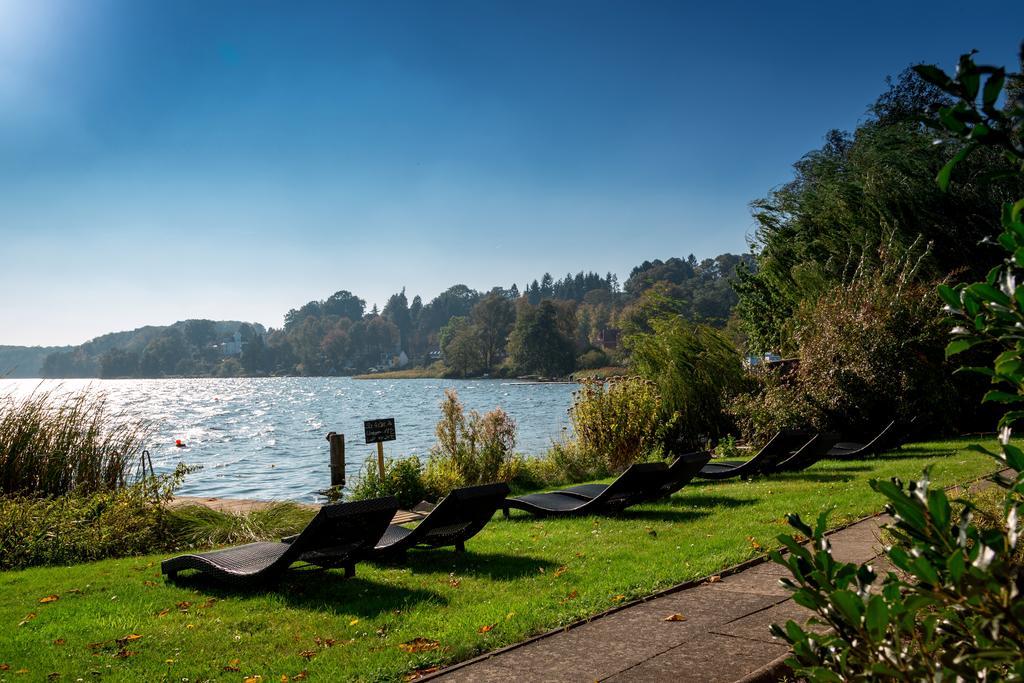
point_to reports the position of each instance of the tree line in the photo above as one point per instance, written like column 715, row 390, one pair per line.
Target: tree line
column 548, row 328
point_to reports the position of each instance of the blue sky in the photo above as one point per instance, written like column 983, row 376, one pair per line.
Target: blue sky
column 167, row 160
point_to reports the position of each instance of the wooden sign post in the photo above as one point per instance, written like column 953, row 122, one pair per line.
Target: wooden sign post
column 379, row 431
column 337, row 442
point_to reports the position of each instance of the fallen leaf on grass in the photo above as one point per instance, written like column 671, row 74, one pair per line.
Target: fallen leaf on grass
column 208, row 604
column 571, row 596
column 418, row 645
column 509, row 615
column 164, row 612
column 540, row 569
column 124, row 654
column 618, row 598
column 675, row 617
column 148, row 583
column 308, row 654
column 561, row 570
column 5, row 667
column 130, row 638
column 420, row 673
column 353, row 622
column 21, row 671
column 49, row 598
column 653, row 533
column 486, row 628
column 324, row 642
column 28, row 617
column 253, row 679
column 301, row 676
column 59, row 641
column 581, row 555
column 232, row 665
column 454, row 583
column 183, row 605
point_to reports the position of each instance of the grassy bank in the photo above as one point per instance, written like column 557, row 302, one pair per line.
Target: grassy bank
column 118, row 620
column 435, row 371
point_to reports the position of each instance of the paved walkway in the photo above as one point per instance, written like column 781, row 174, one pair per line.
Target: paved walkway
column 724, row 636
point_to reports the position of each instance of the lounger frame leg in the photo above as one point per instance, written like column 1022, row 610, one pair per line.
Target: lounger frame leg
column 460, row 546
column 350, row 570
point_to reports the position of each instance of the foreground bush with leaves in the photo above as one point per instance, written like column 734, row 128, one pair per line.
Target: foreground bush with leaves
column 952, row 609
column 81, row 527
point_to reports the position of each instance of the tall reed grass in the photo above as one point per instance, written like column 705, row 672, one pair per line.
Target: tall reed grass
column 53, row 443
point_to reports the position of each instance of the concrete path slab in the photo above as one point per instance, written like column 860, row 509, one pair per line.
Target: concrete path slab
column 724, row 637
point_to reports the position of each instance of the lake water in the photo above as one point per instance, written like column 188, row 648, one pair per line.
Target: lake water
column 265, row 437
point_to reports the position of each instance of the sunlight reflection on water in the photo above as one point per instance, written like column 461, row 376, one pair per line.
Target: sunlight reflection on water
column 264, row 437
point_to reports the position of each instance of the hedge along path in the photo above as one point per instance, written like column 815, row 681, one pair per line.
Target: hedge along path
column 518, row 578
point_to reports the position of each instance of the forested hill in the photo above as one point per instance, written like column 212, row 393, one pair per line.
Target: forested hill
column 186, row 348
column 548, row 327
column 25, row 361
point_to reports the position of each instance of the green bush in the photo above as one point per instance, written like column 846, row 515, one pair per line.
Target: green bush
column 696, row 369
column 952, row 609
column 616, row 422
column 80, row 527
column 566, row 463
column 772, row 402
column 403, row 478
column 52, row 444
column 870, row 351
column 471, row 449
column 593, row 359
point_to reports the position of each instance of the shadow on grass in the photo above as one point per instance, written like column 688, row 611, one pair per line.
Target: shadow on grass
column 660, row 514
column 494, row 566
column 711, row 501
column 317, row 590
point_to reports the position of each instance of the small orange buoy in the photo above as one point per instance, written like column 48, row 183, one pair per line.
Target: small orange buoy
column 178, row 443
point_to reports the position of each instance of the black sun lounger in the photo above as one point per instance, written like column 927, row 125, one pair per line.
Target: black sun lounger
column 632, row 487
column 892, row 436
column 779, row 448
column 679, row 474
column 811, row 452
column 338, row 536
column 453, row 521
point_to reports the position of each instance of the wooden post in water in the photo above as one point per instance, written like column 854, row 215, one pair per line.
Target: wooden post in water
column 337, row 442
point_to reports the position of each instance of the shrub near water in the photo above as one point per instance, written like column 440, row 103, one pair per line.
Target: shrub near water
column 51, row 445
column 471, row 449
column 617, row 421
column 696, row 369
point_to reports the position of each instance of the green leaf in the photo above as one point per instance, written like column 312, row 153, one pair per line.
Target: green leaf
column 986, row 291
column 959, row 346
column 938, row 508
column 849, row 605
column 993, row 86
column 996, row 396
column 943, row 177
column 1014, row 457
column 877, row 616
column 951, row 296
column 935, row 76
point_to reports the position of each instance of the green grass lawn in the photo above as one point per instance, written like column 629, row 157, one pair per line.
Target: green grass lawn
column 118, row 620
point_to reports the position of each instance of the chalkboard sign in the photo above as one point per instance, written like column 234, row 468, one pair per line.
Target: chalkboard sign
column 380, row 430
